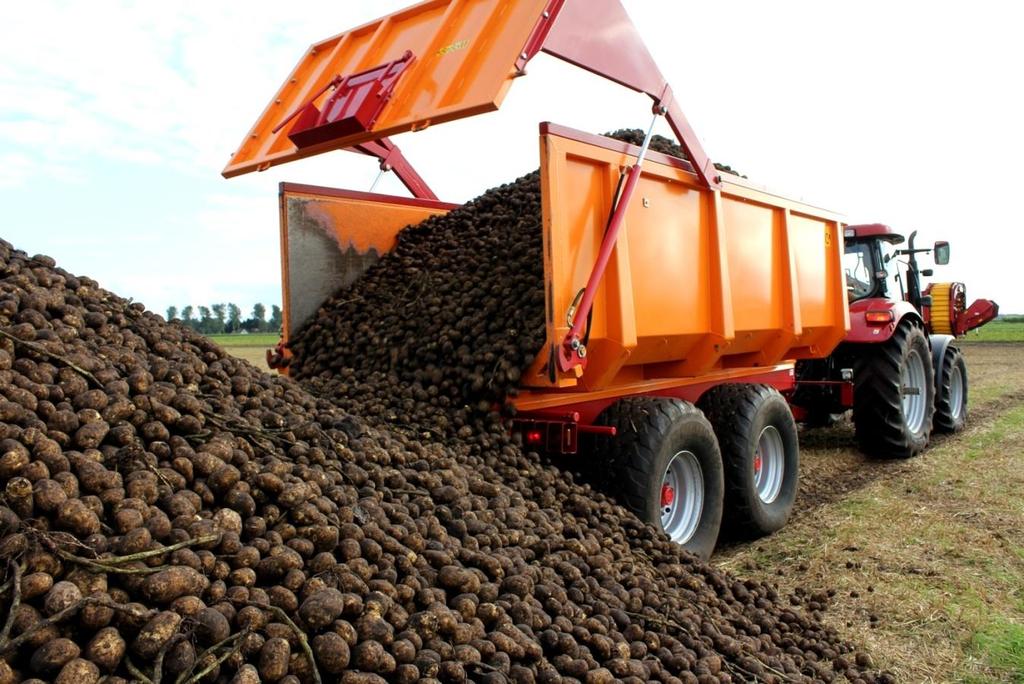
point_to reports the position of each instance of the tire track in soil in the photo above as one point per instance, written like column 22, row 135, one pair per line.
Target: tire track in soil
column 833, row 479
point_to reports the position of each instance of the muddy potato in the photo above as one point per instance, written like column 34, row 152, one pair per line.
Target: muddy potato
column 62, row 595
column 320, row 609
column 331, row 652
column 106, row 649
column 53, row 655
column 76, row 517
column 351, row 677
column 157, row 632
column 274, row 658
column 211, row 626
column 180, row 657
column 247, row 674
column 176, row 581
column 371, row 656
column 7, row 673
column 78, row 671
column 35, row 584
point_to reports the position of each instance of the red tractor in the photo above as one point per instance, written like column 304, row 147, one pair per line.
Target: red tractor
column 898, row 368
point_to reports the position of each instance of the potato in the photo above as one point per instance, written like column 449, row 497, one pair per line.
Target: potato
column 180, row 657
column 211, row 626
column 12, row 462
column 351, row 677
column 174, row 582
column 78, row 671
column 371, row 656
column 62, row 595
column 247, row 674
column 458, row 580
column 157, row 632
column 53, row 655
column 106, row 649
column 274, row 658
column 76, row 517
column 35, row 584
column 7, row 674
column 332, row 652
column 320, row 609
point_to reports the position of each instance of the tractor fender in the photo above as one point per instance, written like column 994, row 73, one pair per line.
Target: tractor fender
column 939, row 343
column 862, row 332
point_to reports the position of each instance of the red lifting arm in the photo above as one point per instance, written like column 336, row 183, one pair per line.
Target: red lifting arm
column 598, row 35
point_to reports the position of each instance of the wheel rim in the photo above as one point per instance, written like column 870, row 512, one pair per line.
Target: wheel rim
column 769, row 464
column 682, row 497
column 914, row 392
column 956, row 393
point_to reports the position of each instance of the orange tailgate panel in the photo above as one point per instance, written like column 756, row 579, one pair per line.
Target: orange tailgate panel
column 465, row 53
column 329, row 238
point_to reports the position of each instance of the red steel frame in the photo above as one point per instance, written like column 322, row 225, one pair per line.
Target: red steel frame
column 557, row 428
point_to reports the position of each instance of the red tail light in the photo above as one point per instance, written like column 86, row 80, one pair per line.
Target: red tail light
column 879, row 317
column 534, row 436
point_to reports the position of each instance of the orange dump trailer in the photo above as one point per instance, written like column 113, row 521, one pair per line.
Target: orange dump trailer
column 677, row 299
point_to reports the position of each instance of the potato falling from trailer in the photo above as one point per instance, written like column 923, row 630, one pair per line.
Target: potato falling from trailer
column 676, row 299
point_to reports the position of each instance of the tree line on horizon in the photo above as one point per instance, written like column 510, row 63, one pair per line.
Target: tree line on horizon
column 219, row 319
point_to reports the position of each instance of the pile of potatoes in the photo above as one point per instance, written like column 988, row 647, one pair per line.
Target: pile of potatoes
column 170, row 513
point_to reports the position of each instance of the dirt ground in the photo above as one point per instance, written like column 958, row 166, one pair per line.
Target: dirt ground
column 924, row 558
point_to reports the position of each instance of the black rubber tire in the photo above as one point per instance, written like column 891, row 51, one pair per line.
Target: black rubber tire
column 946, row 418
column 649, row 432
column 880, row 426
column 739, row 414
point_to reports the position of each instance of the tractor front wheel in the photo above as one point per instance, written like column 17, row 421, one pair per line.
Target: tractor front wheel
column 664, row 465
column 894, row 395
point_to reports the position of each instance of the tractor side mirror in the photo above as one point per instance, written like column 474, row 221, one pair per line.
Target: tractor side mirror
column 941, row 253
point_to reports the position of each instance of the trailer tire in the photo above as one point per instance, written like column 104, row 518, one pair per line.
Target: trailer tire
column 760, row 454
column 652, row 436
column 951, row 392
column 888, row 424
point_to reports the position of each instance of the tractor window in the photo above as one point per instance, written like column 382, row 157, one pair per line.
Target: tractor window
column 893, row 280
column 860, row 272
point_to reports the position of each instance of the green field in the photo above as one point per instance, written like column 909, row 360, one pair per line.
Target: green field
column 255, row 340
column 998, row 331
column 252, row 348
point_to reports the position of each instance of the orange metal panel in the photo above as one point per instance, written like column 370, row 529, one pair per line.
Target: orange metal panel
column 699, row 281
column 330, row 237
column 465, row 53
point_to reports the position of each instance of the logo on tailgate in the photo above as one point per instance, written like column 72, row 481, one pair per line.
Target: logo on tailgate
column 454, row 47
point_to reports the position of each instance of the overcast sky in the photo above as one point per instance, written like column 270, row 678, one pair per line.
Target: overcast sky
column 116, row 119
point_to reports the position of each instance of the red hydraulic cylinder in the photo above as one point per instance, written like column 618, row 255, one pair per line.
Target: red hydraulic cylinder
column 572, row 352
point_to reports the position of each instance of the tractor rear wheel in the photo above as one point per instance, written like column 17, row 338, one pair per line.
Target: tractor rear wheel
column 760, row 453
column 894, row 395
column 664, row 465
column 951, row 392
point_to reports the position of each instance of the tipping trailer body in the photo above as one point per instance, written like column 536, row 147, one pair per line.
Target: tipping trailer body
column 704, row 286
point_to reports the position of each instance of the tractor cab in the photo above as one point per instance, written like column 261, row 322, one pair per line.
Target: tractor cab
column 869, row 250
column 871, row 267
